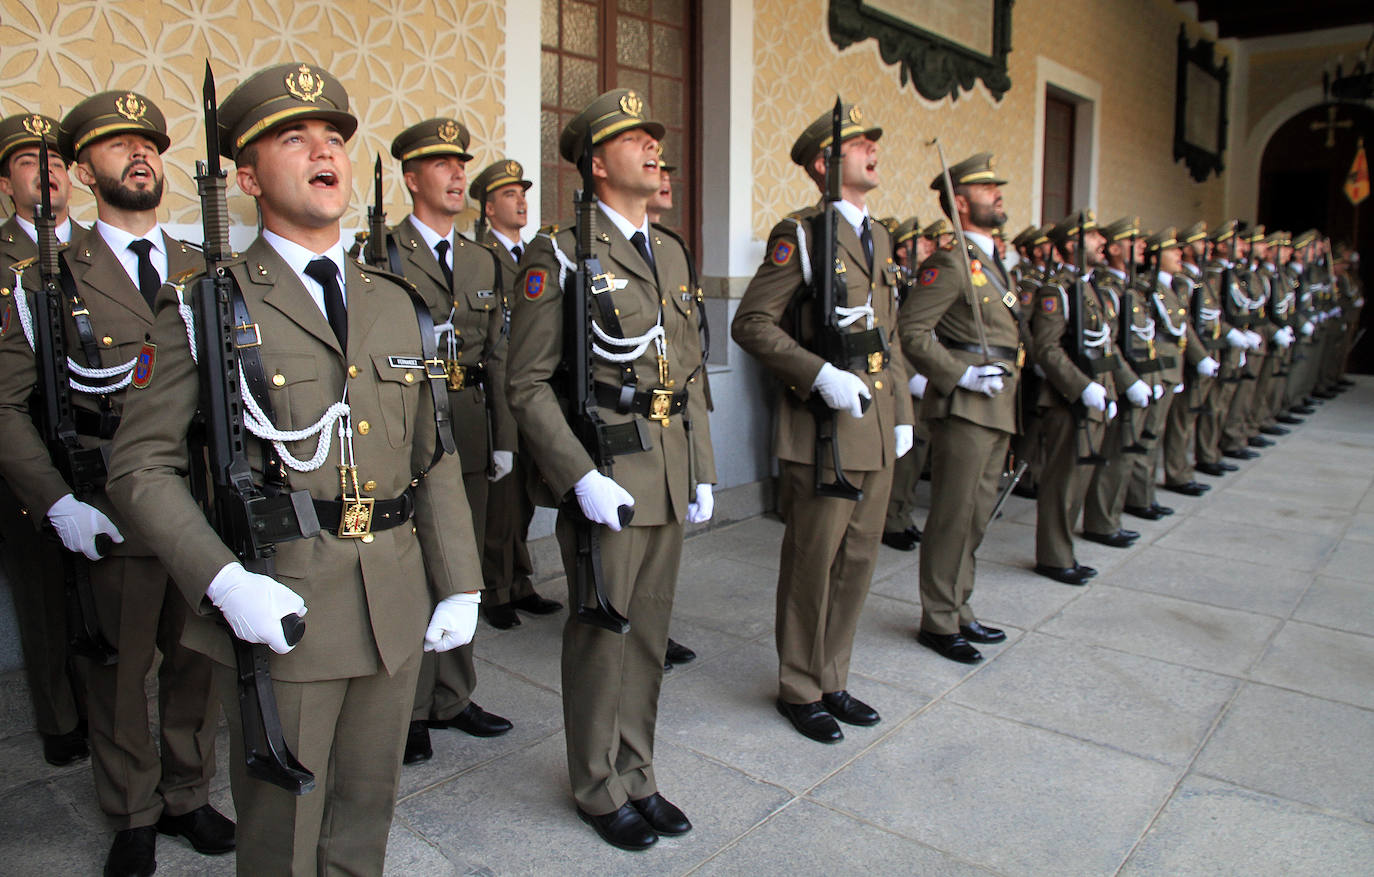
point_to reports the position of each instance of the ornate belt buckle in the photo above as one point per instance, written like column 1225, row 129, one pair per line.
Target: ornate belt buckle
column 355, row 521
column 1020, row 356
column 875, row 362
column 457, row 375
column 660, row 405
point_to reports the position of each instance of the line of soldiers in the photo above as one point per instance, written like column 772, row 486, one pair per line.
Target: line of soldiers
column 433, row 345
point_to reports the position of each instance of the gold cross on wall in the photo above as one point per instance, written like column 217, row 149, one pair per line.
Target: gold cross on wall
column 1331, row 125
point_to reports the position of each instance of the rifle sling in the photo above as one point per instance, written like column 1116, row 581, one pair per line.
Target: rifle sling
column 85, row 333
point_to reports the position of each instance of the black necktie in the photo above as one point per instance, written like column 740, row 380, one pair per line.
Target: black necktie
column 148, row 281
column 866, row 238
column 326, row 274
column 516, row 252
column 441, row 249
column 642, row 244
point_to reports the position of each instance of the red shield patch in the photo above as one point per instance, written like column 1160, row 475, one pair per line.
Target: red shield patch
column 1049, row 304
column 5, row 320
column 143, row 365
column 782, row 253
column 928, row 276
column 535, row 280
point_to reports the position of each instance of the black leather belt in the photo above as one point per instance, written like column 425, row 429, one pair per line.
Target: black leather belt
column 386, row 513
column 865, row 351
column 993, row 349
column 657, row 404
column 461, row 377
column 94, row 423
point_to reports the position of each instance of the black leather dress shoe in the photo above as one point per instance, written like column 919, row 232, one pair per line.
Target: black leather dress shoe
column 623, row 828
column 1240, row 454
column 475, row 721
column 914, row 532
column 1259, row 441
column 1119, row 539
column 417, row 744
column 812, row 720
column 63, row 749
column 1303, row 409
column 677, row 653
column 663, row 815
column 537, row 605
column 1274, row 430
column 1143, row 511
column 133, row 853
column 1070, row 575
column 1216, row 470
column 1310, row 402
column 501, row 616
column 210, row 832
column 1188, row 488
column 849, row 709
column 1161, row 510
column 950, row 645
column 1130, row 534
column 1345, row 383
column 1323, row 394
column 901, row 540
column 1289, row 419
column 975, row 632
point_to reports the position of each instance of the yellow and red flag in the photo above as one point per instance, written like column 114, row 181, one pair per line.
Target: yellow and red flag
column 1357, row 181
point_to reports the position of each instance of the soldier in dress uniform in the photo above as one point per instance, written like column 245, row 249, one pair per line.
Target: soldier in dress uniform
column 1291, row 273
column 970, row 404
column 113, row 143
column 1245, row 309
column 1028, row 444
column 648, row 370
column 461, row 283
column 831, row 542
column 1269, row 389
column 1208, row 336
column 900, row 530
column 499, row 192
column 940, row 234
column 32, row 566
column 328, row 330
column 1157, row 290
column 1107, row 487
column 1219, row 276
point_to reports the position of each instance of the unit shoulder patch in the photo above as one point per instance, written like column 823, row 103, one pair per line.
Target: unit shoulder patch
column 782, row 253
column 928, row 276
column 143, row 365
column 535, row 281
column 1049, row 303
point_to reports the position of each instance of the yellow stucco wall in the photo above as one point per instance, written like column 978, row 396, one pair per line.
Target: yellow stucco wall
column 401, row 62
column 1128, row 46
column 1276, row 75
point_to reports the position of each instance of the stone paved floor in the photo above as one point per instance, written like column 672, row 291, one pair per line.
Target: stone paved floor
column 1206, row 706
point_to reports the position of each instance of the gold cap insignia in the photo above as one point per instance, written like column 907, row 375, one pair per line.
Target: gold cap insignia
column 631, row 104
column 1092, row 217
column 448, row 132
column 38, row 126
column 513, row 168
column 304, row 84
column 131, row 107
column 856, row 115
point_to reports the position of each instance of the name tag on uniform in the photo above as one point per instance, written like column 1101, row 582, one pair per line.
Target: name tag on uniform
column 485, row 293
column 405, row 361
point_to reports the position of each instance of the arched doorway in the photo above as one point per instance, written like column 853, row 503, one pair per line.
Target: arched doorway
column 1301, row 178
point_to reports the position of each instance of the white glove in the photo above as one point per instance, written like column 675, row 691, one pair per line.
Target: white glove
column 1308, row 329
column 501, row 463
column 1095, row 396
column 1236, row 338
column 1139, row 394
column 841, row 390
column 1256, row 339
column 1209, row 367
column 452, row 624
column 905, row 436
column 917, row 385
column 985, row 379
column 1284, row 337
column 601, row 498
column 78, row 524
column 1178, row 388
column 699, row 512
column 1111, row 410
column 1158, row 391
column 254, row 605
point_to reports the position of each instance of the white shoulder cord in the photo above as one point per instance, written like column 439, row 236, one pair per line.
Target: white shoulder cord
column 848, row 316
column 124, row 372
column 1176, row 331
column 801, row 250
column 565, row 265
column 637, row 344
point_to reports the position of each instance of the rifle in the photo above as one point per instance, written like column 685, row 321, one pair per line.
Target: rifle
column 83, row 469
column 1079, row 352
column 1130, row 437
column 248, row 521
column 1013, row 478
column 588, row 280
column 374, row 253
column 829, row 341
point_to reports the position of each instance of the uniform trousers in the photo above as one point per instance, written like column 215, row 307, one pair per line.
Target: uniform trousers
column 906, row 477
column 1262, row 411
column 1235, row 432
column 142, row 613
column 350, row 733
column 1063, row 483
column 1106, row 495
column 506, row 566
column 966, row 462
column 1181, row 429
column 1211, row 421
column 826, row 565
column 1140, row 488
column 611, row 681
column 446, row 680
column 33, row 566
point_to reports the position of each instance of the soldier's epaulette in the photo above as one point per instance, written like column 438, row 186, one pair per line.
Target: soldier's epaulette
column 670, row 233
column 387, row 275
column 19, row 266
column 183, row 277
column 187, row 246
column 550, row 229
